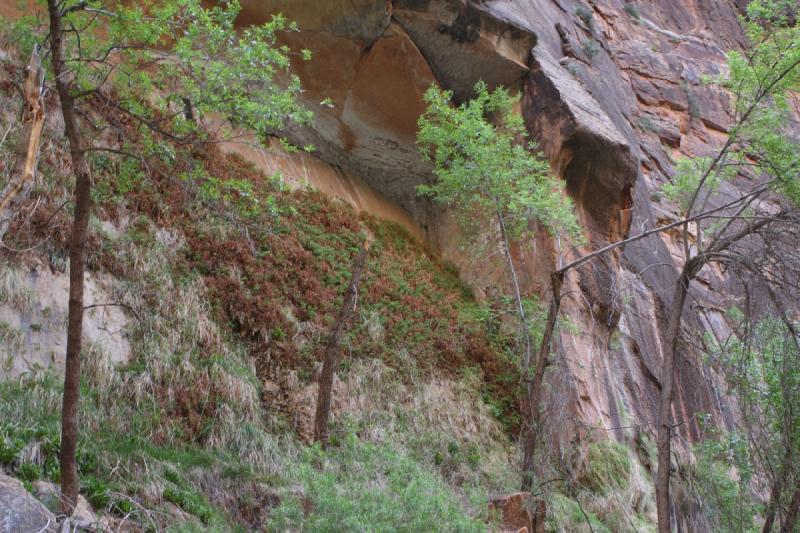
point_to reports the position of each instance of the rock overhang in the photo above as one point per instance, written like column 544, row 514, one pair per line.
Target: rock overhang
column 374, row 60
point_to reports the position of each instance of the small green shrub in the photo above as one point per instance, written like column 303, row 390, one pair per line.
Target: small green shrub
column 29, row 472
column 591, row 48
column 97, row 492
column 87, row 461
column 8, row 450
column 190, row 501
column 647, row 124
column 585, row 14
column 727, row 500
column 631, row 10
column 20, row 34
column 123, row 507
column 608, row 467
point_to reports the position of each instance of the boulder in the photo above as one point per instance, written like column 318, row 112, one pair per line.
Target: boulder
column 83, row 515
column 20, row 511
column 519, row 512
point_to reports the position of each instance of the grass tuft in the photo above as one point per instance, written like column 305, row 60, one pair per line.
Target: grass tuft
column 608, row 467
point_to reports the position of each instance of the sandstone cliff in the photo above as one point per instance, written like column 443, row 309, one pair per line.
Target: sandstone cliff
column 612, row 91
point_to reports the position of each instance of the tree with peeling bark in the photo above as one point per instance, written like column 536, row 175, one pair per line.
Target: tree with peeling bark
column 486, row 167
column 331, row 360
column 162, row 67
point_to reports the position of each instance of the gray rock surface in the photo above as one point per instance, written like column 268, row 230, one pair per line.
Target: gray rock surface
column 33, row 312
column 82, row 516
column 20, row 512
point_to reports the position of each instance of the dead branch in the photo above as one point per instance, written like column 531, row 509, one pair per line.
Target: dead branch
column 27, row 151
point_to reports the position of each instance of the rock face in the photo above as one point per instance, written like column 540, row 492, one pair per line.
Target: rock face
column 643, row 72
column 33, row 309
column 20, row 511
column 467, row 41
column 612, row 92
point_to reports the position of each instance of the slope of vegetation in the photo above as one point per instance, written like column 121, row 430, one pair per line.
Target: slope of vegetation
column 233, row 282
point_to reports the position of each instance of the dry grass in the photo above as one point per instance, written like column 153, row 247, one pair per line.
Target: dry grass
column 14, row 292
column 439, row 420
column 181, row 356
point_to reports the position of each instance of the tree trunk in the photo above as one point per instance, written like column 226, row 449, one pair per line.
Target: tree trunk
column 792, row 512
column 526, row 356
column 769, row 514
column 688, row 272
column 535, row 383
column 332, row 350
column 777, row 488
column 77, row 253
column 27, row 150
column 528, row 408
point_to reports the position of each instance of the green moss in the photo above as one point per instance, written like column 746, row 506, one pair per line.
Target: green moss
column 608, row 467
column 565, row 514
